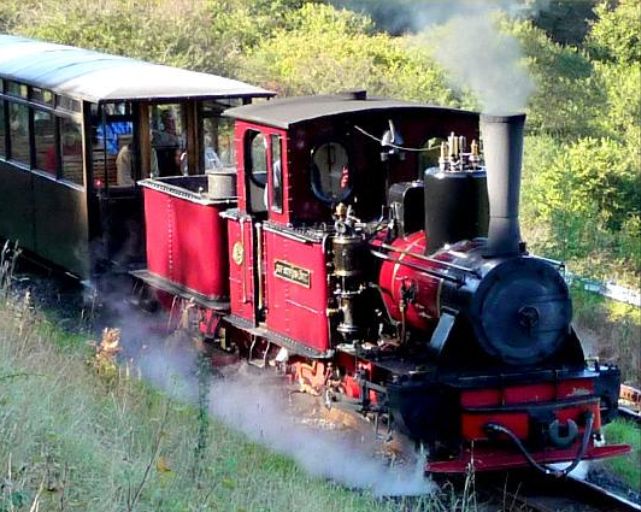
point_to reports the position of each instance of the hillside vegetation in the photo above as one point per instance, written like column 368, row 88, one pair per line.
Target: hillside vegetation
column 582, row 181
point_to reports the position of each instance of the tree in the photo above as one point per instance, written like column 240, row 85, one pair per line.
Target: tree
column 322, row 49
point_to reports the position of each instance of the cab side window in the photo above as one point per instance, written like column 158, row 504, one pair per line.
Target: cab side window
column 277, row 174
column 256, row 170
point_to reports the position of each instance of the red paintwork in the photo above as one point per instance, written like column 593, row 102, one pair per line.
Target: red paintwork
column 294, row 310
column 530, row 393
column 186, row 243
column 367, row 171
column 488, row 458
column 241, row 276
column 473, row 423
column 393, row 277
column 352, row 389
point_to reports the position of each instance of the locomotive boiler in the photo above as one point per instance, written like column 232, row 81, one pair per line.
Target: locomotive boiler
column 389, row 280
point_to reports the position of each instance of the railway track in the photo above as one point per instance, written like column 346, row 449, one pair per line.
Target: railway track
column 532, row 492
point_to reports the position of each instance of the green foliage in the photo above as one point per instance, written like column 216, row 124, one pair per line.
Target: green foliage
column 566, row 22
column 582, row 163
column 568, row 96
column 323, row 49
column 567, row 184
column 615, row 37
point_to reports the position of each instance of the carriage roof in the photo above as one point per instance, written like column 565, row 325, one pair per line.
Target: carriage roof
column 100, row 77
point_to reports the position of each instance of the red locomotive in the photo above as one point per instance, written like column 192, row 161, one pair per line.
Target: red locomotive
column 399, row 292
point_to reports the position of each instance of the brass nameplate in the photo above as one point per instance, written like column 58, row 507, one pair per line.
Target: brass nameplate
column 292, row 273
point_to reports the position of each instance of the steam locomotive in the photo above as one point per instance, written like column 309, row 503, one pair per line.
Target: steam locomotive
column 370, row 250
column 366, row 248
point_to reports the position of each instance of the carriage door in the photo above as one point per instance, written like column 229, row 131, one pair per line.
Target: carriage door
column 245, row 233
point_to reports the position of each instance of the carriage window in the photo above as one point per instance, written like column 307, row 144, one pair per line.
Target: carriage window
column 17, row 89
column 331, row 181
column 44, row 136
column 71, row 151
column 169, row 138
column 19, row 133
column 218, row 143
column 3, row 148
column 67, row 103
column 258, row 159
column 42, row 95
column 277, row 174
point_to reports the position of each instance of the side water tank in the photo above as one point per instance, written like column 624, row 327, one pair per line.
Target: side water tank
column 456, row 206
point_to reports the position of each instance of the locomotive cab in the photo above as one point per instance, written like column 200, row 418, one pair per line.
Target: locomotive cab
column 299, row 161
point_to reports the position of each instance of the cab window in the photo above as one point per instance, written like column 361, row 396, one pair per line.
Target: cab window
column 256, row 170
column 3, row 150
column 277, row 174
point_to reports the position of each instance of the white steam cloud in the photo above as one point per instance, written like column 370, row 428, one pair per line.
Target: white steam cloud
column 479, row 58
column 255, row 403
column 244, row 403
column 466, row 42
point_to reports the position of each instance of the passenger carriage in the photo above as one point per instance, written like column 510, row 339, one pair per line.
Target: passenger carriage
column 66, row 114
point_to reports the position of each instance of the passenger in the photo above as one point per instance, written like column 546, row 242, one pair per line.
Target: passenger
column 124, row 167
column 212, row 162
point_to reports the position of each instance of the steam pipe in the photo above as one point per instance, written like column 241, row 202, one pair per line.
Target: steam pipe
column 503, row 151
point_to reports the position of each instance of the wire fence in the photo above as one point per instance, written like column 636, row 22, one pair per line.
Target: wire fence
column 606, row 289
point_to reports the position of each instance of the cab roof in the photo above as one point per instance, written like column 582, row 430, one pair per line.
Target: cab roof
column 286, row 112
column 100, row 77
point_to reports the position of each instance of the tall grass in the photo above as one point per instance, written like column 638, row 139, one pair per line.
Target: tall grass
column 72, row 439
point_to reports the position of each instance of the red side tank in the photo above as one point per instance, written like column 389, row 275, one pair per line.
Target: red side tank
column 186, row 237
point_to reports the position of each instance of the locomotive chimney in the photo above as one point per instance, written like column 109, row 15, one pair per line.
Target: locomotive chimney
column 503, row 150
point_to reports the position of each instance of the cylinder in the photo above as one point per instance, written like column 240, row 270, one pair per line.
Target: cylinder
column 456, row 207
column 503, row 152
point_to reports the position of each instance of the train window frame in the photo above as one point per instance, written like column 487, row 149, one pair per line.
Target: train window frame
column 67, row 103
column 315, row 174
column 276, row 172
column 56, row 144
column 11, row 156
column 216, row 135
column 62, row 173
column 250, row 170
column 3, row 128
column 41, row 96
column 17, row 89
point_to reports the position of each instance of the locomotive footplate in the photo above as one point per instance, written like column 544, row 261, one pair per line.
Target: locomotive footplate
column 175, row 289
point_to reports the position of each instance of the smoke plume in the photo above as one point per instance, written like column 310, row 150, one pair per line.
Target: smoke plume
column 255, row 402
column 245, row 403
column 464, row 39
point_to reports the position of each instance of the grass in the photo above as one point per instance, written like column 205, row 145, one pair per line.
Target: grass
column 628, row 467
column 77, row 437
column 74, row 437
